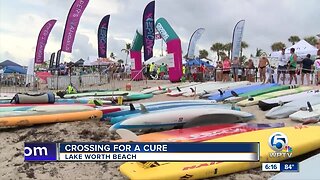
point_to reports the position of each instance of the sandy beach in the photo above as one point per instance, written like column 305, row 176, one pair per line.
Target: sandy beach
column 12, row 165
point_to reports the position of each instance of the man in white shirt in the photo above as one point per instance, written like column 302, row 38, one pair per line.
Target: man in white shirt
column 282, row 66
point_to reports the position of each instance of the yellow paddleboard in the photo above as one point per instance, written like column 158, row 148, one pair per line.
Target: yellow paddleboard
column 301, row 139
column 256, row 99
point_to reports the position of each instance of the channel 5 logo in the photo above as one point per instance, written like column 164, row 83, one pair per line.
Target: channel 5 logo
column 40, row 151
column 279, row 143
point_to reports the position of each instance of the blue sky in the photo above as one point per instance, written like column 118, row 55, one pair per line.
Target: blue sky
column 267, row 21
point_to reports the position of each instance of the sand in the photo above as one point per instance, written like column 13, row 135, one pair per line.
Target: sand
column 12, row 165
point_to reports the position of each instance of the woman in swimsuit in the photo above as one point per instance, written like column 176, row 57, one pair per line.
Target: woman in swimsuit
column 226, row 66
column 263, row 63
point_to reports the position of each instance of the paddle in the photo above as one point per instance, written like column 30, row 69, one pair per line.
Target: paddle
column 127, row 135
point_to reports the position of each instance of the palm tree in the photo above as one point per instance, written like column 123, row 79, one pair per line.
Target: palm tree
column 294, row 39
column 258, row 52
column 311, row 40
column 127, row 50
column 244, row 45
column 112, row 55
column 217, row 47
column 228, row 47
column 277, row 46
column 203, row 54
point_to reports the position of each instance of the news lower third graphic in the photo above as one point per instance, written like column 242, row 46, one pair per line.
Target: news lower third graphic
column 111, row 151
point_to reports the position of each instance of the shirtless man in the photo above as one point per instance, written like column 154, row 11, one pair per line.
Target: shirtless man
column 263, row 63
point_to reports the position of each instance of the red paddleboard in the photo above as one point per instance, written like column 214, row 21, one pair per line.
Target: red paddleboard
column 203, row 133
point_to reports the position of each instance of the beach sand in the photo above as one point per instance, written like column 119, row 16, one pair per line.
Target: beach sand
column 12, row 165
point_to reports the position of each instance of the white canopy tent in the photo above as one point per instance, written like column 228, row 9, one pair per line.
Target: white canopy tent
column 302, row 48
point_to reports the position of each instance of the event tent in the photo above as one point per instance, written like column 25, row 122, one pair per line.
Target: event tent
column 14, row 69
column 8, row 63
column 302, row 48
column 197, row 62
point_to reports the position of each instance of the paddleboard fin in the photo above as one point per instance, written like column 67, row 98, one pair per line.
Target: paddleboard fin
column 132, row 108
column 143, row 109
column 159, row 88
column 178, row 89
column 309, row 106
column 169, row 90
column 127, row 135
column 234, row 94
column 97, row 103
column 280, row 103
column 206, row 92
column 192, row 90
column 220, row 91
column 250, row 98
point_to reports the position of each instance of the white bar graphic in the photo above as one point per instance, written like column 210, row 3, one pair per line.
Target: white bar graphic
column 158, row 157
column 271, row 167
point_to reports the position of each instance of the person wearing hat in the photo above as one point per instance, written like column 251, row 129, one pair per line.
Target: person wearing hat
column 282, row 66
column 263, row 63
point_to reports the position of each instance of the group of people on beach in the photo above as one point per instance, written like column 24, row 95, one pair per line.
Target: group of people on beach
column 226, row 69
column 290, row 65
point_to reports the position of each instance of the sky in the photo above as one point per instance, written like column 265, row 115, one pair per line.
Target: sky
column 267, row 21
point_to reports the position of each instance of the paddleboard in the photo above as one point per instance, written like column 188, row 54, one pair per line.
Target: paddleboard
column 258, row 92
column 274, row 102
column 159, row 105
column 292, row 107
column 214, row 88
column 98, row 93
column 305, row 115
column 169, row 107
column 202, row 133
column 308, row 170
column 186, row 117
column 255, row 100
column 29, row 120
column 170, row 89
column 228, row 93
column 181, row 91
column 201, row 170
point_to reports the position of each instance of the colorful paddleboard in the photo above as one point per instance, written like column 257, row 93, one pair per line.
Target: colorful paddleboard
column 203, row 133
column 292, row 107
column 228, row 93
column 182, row 117
column 199, row 170
column 255, row 100
column 274, row 102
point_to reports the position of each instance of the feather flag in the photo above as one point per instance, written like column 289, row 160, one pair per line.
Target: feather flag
column 237, row 38
column 42, row 41
column 102, row 36
column 72, row 23
column 148, row 30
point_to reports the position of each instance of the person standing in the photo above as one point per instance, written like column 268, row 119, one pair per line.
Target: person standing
column 263, row 63
column 235, row 68
column 306, row 69
column 226, row 66
column 250, row 71
column 282, row 66
column 317, row 67
column 292, row 65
